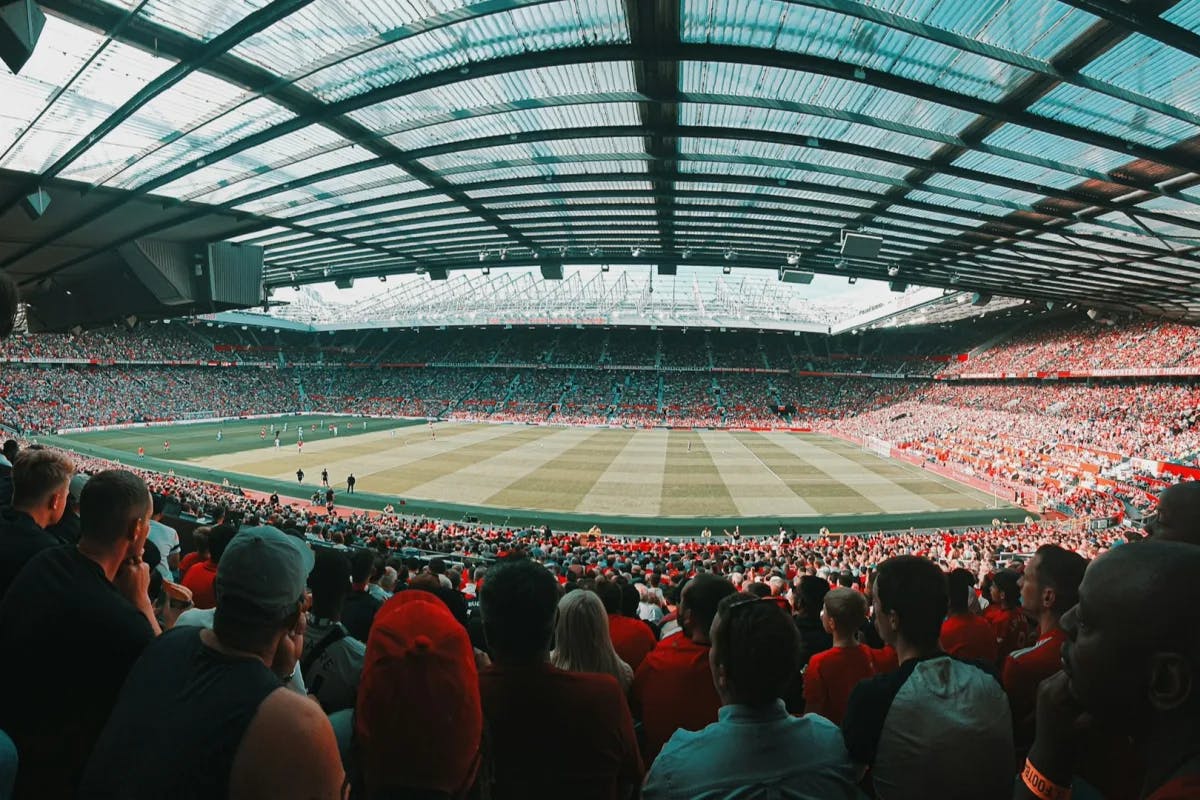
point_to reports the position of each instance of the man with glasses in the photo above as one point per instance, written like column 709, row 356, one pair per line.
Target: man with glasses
column 754, row 745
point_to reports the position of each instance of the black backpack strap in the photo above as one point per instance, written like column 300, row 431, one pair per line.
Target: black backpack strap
column 328, row 640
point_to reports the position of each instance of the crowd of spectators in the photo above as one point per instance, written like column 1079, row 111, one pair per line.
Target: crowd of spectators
column 905, row 664
column 1083, row 344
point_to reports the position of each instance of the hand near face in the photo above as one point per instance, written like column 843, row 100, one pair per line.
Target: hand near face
column 1061, row 722
column 133, row 581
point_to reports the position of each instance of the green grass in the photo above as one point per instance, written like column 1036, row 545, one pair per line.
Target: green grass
column 625, row 481
column 190, row 442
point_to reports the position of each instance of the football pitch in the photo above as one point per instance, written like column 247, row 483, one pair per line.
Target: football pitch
column 593, row 473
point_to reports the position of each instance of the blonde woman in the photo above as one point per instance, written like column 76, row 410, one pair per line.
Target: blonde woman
column 581, row 639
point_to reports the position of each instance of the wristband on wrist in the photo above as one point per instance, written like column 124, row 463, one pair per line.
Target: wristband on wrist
column 1041, row 786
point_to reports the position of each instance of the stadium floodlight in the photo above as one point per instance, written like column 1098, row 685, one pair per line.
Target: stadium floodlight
column 730, row 254
column 636, row 252
column 594, row 251
column 687, row 253
column 893, row 272
column 954, row 278
column 325, row 272
column 793, row 259
column 503, row 253
column 483, row 254
column 839, row 264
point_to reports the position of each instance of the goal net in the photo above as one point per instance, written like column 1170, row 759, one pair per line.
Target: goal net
column 873, row 444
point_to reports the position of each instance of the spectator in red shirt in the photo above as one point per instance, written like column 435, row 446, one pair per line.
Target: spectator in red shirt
column 200, row 554
column 1049, row 588
column 1009, row 623
column 832, row 675
column 965, row 634
column 202, row 576
column 578, row 724
column 631, row 637
column 1131, row 664
column 673, row 687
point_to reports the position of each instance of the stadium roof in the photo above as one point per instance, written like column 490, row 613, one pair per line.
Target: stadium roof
column 1031, row 148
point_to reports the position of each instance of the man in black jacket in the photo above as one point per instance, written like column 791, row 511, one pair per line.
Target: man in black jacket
column 41, row 479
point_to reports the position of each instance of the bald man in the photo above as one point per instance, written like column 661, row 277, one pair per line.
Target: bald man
column 1178, row 515
column 1131, row 665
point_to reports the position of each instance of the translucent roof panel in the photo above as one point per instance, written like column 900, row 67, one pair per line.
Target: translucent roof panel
column 594, row 165
column 798, row 157
column 337, row 50
column 774, row 173
column 200, row 20
column 1003, row 167
column 840, row 97
column 256, row 180
column 499, row 120
column 89, row 94
column 1056, row 148
column 1098, row 112
column 509, row 87
column 310, row 140
column 1150, row 68
column 532, row 151
column 792, row 27
column 342, row 189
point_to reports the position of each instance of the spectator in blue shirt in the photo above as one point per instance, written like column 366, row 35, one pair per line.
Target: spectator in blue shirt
column 755, row 748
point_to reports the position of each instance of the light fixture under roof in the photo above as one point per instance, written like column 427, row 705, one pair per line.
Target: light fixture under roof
column 636, row 251
column 893, row 272
column 594, row 251
column 687, row 253
column 793, row 259
column 483, row 254
column 730, row 254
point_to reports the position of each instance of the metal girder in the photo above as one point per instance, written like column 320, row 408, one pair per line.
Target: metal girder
column 1014, row 234
column 1086, row 48
column 978, row 47
column 332, row 114
column 204, row 54
column 654, row 24
column 1144, row 18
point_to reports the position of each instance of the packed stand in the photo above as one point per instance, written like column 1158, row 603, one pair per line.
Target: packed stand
column 957, row 664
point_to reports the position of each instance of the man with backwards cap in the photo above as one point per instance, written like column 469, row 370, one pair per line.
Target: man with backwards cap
column 204, row 713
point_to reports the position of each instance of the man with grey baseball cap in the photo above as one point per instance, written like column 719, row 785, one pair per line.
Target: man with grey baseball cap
column 221, row 691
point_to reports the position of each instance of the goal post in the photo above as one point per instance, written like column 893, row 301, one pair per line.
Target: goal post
column 880, row 447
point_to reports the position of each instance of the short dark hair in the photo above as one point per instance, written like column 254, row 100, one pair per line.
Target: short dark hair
column 11, row 448
column 759, row 646
column 37, row 473
column 812, row 591
column 159, row 501
column 701, row 596
column 218, row 539
column 610, row 595
column 329, row 581
column 959, row 584
column 361, row 565
column 629, row 600
column 108, row 502
column 915, row 589
column 518, row 602
column 757, row 589
column 1062, row 571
